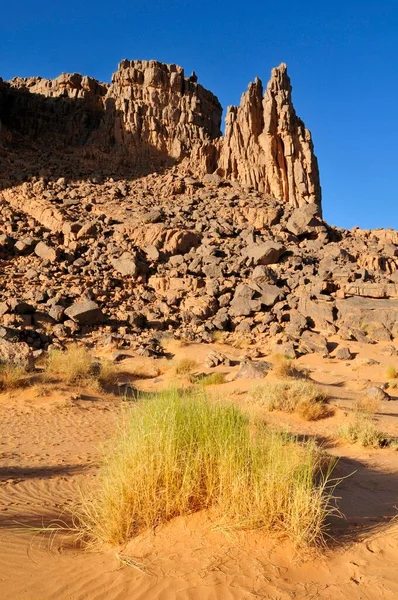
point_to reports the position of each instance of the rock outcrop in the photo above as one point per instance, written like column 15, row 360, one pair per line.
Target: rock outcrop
column 151, row 116
column 268, row 147
column 125, row 216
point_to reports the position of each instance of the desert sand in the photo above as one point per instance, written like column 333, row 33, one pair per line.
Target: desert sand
column 50, row 449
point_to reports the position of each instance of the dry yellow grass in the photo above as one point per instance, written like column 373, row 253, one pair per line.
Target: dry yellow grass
column 178, row 453
column 204, row 379
column 73, row 365
column 185, row 366
column 301, row 397
column 76, row 365
column 146, row 368
column 12, row 377
column 284, row 368
column 368, row 405
column 391, row 372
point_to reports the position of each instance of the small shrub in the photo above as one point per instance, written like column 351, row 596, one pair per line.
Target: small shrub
column 211, row 379
column 218, row 337
column 41, row 391
column 361, row 430
column 368, row 405
column 12, row 377
column 73, row 365
column 391, row 372
column 186, row 366
column 286, row 369
column 146, row 368
column 106, row 374
column 302, row 397
column 179, row 453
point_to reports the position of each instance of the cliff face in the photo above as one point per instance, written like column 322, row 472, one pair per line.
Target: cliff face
column 153, row 114
column 153, row 103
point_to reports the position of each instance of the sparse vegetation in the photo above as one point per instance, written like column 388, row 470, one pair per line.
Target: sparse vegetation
column 146, row 368
column 368, row 405
column 213, row 379
column 301, row 397
column 179, row 453
column 285, row 368
column 185, row 366
column 205, row 379
column 391, row 372
column 218, row 337
column 72, row 365
column 361, row 430
column 12, row 377
column 76, row 365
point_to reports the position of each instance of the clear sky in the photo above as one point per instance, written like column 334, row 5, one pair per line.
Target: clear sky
column 342, row 57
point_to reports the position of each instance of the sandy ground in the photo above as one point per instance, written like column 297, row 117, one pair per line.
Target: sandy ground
column 50, row 447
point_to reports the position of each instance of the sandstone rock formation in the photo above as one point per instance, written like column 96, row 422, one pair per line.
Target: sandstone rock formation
column 268, row 147
column 124, row 216
column 151, row 115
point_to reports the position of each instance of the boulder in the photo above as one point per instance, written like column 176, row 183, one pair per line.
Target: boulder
column 250, row 369
column 214, row 359
column 126, row 265
column 311, row 342
column 46, row 252
column 85, row 313
column 304, row 219
column 343, row 353
column 17, row 353
column 377, row 393
column 268, row 253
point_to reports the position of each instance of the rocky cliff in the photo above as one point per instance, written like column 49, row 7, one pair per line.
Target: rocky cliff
column 268, row 147
column 126, row 216
column 152, row 115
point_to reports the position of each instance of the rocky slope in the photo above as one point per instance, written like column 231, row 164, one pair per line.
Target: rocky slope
column 125, row 215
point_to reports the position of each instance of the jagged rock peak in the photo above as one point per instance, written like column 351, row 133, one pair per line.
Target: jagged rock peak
column 268, row 147
column 152, row 115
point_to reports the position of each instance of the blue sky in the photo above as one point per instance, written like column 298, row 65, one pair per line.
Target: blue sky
column 342, row 57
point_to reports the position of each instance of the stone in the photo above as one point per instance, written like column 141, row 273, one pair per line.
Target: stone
column 25, row 246
column 126, row 265
column 376, row 393
column 304, row 219
column 214, row 359
column 85, row 313
column 17, row 353
column 45, row 252
column 343, row 353
column 311, row 342
column 268, row 253
column 250, row 369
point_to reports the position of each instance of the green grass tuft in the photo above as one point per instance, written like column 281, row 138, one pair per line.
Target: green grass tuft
column 301, row 397
column 178, row 452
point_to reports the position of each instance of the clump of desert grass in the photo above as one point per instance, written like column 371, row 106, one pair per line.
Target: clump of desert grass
column 76, row 365
column 304, row 398
column 367, row 405
column 205, row 379
column 12, row 376
column 391, row 372
column 185, row 366
column 178, row 452
column 285, row 368
column 360, row 429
